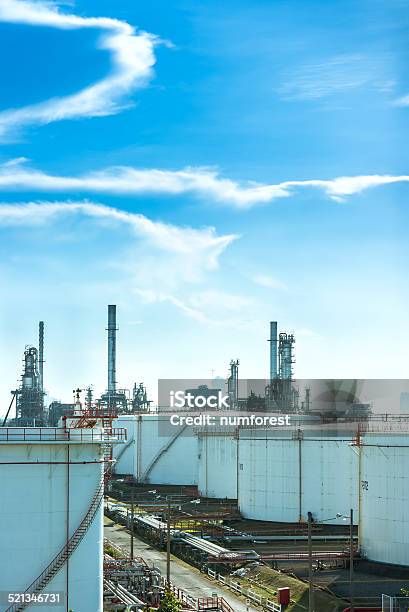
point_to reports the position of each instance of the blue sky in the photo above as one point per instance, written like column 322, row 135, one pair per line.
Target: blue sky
column 221, row 165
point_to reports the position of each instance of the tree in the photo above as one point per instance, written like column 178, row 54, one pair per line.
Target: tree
column 170, row 603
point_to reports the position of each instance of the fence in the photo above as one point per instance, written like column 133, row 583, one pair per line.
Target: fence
column 59, row 434
column 248, row 593
column 395, row 604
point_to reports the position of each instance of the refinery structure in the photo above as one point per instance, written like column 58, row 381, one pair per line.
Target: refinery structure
column 338, row 469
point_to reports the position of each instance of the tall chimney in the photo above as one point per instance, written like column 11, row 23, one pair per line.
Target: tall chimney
column 273, row 350
column 41, row 355
column 112, row 329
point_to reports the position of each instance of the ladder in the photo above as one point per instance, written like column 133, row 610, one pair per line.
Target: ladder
column 52, row 569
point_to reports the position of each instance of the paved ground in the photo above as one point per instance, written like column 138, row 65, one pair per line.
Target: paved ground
column 183, row 575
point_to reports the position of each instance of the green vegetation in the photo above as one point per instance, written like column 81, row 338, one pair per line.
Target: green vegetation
column 169, row 603
column 265, row 581
column 112, row 552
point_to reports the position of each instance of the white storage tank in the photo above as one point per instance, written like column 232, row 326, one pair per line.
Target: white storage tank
column 218, row 464
column 161, row 453
column 49, row 484
column 283, row 474
column 268, row 487
column 125, row 454
column 384, row 497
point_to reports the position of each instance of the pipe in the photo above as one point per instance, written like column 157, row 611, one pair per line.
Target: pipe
column 273, row 350
column 112, row 329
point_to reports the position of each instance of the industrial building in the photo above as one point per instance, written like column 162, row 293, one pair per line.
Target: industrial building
column 327, row 462
column 29, row 396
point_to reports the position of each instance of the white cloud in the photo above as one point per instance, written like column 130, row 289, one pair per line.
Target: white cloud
column 16, row 175
column 132, row 59
column 337, row 75
column 264, row 280
column 403, row 101
column 203, row 245
column 210, row 307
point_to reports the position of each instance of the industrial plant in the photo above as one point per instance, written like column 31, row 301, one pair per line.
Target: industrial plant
column 319, row 500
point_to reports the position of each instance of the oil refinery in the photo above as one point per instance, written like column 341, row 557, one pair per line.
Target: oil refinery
column 322, row 497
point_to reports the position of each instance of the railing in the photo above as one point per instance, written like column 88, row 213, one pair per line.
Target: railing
column 181, row 595
column 59, row 434
column 394, row 603
column 247, row 592
column 213, row 603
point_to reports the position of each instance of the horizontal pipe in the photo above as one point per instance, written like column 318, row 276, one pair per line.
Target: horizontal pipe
column 52, row 462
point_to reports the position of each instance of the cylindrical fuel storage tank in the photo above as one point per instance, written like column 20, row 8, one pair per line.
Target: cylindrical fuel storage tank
column 384, row 497
column 125, row 455
column 268, row 475
column 218, row 464
column 47, row 488
column 162, row 453
column 284, row 474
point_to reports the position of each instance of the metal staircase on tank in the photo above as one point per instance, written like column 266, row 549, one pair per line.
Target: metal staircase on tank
column 164, row 449
column 52, row 569
column 123, row 449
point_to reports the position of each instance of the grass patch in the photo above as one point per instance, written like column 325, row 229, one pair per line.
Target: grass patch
column 265, row 581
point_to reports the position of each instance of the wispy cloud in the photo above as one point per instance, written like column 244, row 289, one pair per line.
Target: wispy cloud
column 210, row 307
column 132, row 59
column 204, row 245
column 269, row 282
column 402, row 101
column 334, row 76
column 16, row 175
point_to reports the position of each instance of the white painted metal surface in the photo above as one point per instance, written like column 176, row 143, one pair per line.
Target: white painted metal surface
column 42, row 500
column 161, row 454
column 218, row 465
column 283, row 475
column 125, row 454
column 384, row 498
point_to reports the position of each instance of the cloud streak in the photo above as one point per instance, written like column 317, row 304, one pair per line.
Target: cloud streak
column 16, row 175
column 335, row 76
column 204, row 246
column 132, row 59
column 403, row 101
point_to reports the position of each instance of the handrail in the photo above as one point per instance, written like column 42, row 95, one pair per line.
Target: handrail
column 58, row 434
column 219, row 603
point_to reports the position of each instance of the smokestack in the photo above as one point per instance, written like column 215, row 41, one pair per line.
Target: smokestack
column 273, row 350
column 112, row 329
column 41, row 355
